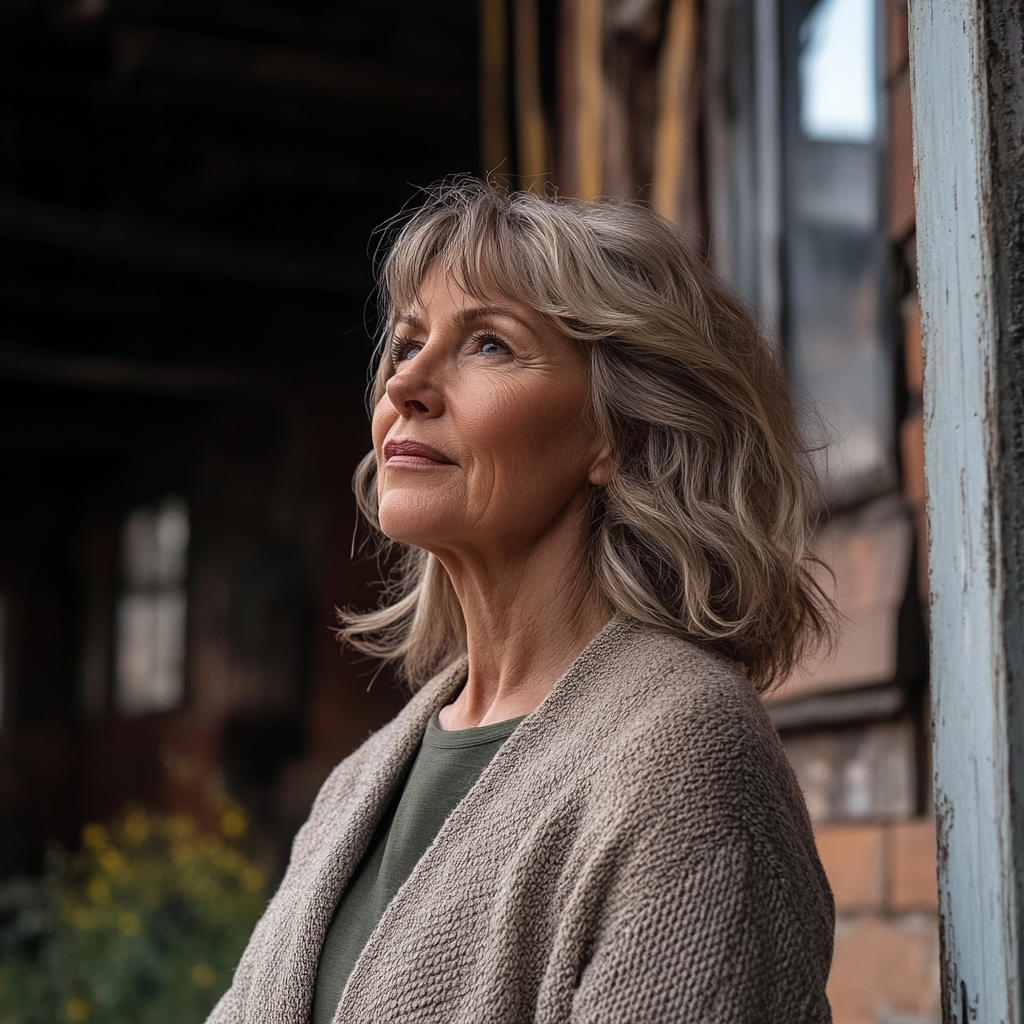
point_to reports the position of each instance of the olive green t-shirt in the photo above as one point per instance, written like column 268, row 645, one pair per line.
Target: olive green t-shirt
column 447, row 765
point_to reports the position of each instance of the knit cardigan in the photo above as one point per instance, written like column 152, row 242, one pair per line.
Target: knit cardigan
column 637, row 851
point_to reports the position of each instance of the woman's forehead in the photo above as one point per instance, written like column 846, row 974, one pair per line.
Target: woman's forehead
column 461, row 285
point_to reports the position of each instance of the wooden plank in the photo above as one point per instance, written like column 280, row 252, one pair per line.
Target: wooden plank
column 493, row 87
column 589, row 71
column 966, row 246
column 152, row 244
column 675, row 156
column 531, row 131
column 206, row 57
column 108, row 373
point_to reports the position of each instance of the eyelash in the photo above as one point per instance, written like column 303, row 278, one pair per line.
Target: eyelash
column 400, row 346
column 485, row 337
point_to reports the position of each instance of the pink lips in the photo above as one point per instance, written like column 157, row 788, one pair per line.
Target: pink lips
column 412, row 453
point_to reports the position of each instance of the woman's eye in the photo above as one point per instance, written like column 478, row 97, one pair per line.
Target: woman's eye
column 493, row 346
column 403, row 351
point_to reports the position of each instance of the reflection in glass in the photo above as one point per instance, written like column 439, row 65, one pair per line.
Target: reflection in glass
column 150, row 660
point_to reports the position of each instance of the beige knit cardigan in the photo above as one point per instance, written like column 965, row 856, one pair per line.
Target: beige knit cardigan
column 637, row 851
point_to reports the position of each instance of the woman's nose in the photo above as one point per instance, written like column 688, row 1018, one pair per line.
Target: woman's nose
column 414, row 391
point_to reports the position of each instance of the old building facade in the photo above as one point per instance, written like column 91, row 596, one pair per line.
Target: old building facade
column 188, row 198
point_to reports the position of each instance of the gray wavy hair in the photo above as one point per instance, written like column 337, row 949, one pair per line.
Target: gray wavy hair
column 704, row 529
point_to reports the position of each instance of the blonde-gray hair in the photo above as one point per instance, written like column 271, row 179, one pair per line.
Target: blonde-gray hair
column 704, row 528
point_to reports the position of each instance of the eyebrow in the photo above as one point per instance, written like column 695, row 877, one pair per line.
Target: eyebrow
column 482, row 312
column 467, row 316
column 408, row 320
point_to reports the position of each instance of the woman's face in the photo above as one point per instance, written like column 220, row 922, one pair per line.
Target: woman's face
column 482, row 438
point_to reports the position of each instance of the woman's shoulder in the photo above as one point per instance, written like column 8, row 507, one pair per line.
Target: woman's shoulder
column 662, row 681
column 669, row 714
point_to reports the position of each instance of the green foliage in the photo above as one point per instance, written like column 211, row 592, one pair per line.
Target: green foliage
column 143, row 926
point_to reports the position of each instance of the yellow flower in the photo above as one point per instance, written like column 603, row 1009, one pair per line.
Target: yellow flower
column 99, row 890
column 82, row 918
column 233, row 861
column 252, row 879
column 202, row 975
column 182, row 854
column 76, row 1009
column 111, row 860
column 180, row 826
column 233, row 822
column 129, row 923
column 136, row 828
column 209, row 846
column 94, row 836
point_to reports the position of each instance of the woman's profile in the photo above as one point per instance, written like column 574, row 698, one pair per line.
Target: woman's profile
column 585, row 460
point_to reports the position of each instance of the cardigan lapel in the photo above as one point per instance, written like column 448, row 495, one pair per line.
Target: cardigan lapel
column 503, row 797
column 315, row 888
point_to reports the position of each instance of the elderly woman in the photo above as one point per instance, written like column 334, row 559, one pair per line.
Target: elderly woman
column 584, row 451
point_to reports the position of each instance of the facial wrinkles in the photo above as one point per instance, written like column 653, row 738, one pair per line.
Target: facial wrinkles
column 498, row 469
column 531, row 453
column 504, row 423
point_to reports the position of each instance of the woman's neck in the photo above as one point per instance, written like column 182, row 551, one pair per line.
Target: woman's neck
column 527, row 620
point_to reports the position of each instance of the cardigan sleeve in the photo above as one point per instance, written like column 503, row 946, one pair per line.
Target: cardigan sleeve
column 228, row 1009
column 721, row 935
column 707, row 900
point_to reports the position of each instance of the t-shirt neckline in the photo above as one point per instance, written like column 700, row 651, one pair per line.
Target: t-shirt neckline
column 435, row 736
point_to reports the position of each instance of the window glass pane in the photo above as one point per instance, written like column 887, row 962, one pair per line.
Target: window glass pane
column 151, row 613
column 837, row 72
column 138, row 548
column 834, row 249
column 171, row 542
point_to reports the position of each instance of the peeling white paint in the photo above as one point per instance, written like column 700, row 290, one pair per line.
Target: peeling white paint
column 981, row 949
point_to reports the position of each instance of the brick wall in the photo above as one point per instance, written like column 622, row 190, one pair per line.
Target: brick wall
column 886, row 966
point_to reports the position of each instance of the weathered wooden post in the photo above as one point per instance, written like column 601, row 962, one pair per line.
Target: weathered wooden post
column 967, row 70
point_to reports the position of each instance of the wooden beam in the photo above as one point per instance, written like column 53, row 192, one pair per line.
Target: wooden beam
column 674, row 151
column 531, row 131
column 134, row 240
column 108, row 373
column 202, row 56
column 494, row 89
column 967, row 82
column 567, row 105
column 590, row 84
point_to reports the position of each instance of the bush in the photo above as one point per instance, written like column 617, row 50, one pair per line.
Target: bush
column 143, row 926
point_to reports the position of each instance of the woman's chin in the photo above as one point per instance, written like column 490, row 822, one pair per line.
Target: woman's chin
column 413, row 526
